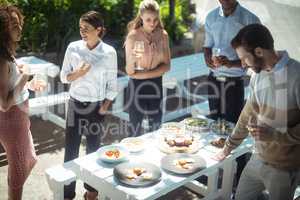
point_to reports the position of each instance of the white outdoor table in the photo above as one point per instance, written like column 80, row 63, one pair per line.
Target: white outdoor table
column 100, row 175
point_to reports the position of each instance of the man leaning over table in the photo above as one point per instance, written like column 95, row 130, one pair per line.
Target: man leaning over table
column 226, row 83
column 271, row 116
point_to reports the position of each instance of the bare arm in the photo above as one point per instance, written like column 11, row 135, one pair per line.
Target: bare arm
column 157, row 72
column 7, row 97
column 162, row 67
column 223, row 60
column 130, row 59
column 81, row 71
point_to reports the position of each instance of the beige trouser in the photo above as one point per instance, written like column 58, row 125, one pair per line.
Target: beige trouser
column 259, row 176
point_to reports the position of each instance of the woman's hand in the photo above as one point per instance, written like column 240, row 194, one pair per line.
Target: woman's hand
column 83, row 69
column 24, row 69
column 104, row 107
column 37, row 85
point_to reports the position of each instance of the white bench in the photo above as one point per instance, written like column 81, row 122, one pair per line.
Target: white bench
column 58, row 176
column 297, row 193
column 39, row 105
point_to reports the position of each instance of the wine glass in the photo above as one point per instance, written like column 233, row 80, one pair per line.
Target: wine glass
column 216, row 52
column 40, row 83
column 251, row 123
column 139, row 49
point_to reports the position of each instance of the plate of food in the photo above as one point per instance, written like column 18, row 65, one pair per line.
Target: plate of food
column 182, row 163
column 219, row 142
column 221, row 127
column 178, row 143
column 113, row 154
column 133, row 144
column 171, row 127
column 135, row 174
column 196, row 124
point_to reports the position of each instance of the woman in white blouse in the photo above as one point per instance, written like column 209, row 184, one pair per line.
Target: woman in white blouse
column 90, row 67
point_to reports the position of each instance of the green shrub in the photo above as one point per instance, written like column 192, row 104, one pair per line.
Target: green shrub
column 51, row 24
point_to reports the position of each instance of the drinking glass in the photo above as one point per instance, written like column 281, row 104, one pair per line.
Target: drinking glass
column 139, row 49
column 40, row 83
column 251, row 122
column 216, row 52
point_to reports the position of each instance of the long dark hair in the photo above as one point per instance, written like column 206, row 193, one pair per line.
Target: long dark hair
column 7, row 45
column 95, row 19
column 146, row 5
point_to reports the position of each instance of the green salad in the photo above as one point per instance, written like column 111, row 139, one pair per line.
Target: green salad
column 196, row 122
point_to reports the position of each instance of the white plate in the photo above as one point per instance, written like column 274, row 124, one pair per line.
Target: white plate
column 103, row 150
column 133, row 144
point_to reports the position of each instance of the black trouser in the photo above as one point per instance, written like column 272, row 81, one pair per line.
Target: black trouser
column 226, row 98
column 144, row 99
column 227, row 102
column 82, row 119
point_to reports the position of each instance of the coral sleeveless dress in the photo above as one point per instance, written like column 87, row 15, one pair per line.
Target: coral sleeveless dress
column 15, row 136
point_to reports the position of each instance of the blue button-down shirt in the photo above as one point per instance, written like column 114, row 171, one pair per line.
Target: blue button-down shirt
column 220, row 30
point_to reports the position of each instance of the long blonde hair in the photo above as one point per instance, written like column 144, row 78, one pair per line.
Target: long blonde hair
column 145, row 5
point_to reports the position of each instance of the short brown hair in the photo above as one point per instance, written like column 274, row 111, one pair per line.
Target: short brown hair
column 95, row 19
column 253, row 36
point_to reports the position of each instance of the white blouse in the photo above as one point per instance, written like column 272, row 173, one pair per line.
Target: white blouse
column 14, row 79
column 100, row 82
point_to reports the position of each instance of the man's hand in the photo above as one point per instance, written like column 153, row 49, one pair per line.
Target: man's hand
column 224, row 61
column 208, row 58
column 223, row 154
column 261, row 132
column 209, row 62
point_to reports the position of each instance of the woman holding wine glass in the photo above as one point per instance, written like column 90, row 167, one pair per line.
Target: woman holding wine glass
column 147, row 59
column 15, row 135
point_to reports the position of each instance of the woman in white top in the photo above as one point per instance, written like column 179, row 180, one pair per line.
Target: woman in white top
column 90, row 67
column 15, row 134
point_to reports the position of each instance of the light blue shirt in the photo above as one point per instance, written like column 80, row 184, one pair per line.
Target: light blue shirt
column 220, row 30
column 100, row 82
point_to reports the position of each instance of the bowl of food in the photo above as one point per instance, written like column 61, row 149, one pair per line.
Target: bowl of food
column 198, row 125
column 222, row 127
column 113, row 153
column 133, row 144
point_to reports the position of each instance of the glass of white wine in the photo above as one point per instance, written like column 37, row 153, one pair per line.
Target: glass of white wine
column 40, row 83
column 252, row 122
column 139, row 49
column 216, row 52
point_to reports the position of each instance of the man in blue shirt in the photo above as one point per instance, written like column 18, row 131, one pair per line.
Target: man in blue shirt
column 225, row 81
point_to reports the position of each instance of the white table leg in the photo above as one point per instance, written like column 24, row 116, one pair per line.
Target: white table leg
column 212, row 184
column 229, row 169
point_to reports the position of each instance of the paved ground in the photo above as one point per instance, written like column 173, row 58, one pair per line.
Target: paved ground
column 49, row 140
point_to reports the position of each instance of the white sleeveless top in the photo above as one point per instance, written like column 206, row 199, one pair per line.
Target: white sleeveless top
column 13, row 80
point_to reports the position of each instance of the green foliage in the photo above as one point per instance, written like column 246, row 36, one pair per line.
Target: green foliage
column 179, row 25
column 51, row 24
